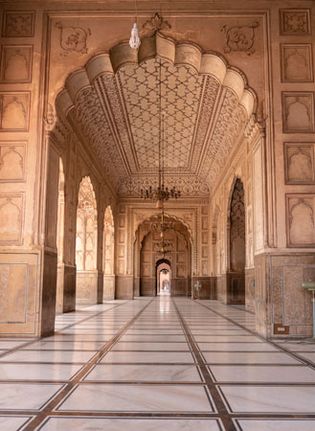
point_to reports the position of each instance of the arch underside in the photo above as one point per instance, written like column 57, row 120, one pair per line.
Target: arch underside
column 113, row 104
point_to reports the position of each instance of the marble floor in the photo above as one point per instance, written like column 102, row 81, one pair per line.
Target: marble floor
column 153, row 364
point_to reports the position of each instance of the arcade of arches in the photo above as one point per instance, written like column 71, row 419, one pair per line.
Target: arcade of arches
column 79, row 130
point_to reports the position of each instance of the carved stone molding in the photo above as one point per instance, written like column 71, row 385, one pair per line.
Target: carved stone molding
column 295, row 21
column 240, row 38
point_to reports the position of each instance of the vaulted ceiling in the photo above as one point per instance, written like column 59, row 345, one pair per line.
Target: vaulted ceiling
column 114, row 105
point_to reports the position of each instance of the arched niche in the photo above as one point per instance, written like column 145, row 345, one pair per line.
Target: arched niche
column 86, row 244
column 236, row 245
column 108, row 255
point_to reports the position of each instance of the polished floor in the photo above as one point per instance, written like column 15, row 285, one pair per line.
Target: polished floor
column 157, row 364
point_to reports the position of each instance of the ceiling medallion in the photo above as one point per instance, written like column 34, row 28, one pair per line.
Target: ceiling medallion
column 161, row 193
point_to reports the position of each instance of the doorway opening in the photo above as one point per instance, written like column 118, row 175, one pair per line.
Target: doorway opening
column 86, row 244
column 163, row 277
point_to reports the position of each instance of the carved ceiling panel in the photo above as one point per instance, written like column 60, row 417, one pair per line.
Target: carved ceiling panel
column 114, row 104
column 181, row 88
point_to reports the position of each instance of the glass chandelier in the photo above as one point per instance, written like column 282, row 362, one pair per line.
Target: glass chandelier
column 161, row 193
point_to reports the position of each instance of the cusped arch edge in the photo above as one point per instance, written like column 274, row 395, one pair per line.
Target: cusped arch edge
column 179, row 53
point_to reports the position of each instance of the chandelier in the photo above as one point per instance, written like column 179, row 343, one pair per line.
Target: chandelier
column 163, row 247
column 160, row 193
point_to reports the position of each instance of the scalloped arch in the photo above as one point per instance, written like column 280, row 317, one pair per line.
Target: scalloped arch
column 154, row 217
column 183, row 53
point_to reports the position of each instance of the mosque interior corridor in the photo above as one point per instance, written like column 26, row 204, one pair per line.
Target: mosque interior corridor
column 158, row 363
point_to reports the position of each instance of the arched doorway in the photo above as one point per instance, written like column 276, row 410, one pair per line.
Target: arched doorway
column 237, row 251
column 108, row 255
column 177, row 254
column 163, row 277
column 86, row 244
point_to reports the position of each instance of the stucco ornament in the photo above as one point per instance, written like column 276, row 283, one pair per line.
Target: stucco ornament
column 73, row 39
column 240, row 38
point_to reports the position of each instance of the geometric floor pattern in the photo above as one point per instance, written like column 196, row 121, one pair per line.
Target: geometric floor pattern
column 153, row 364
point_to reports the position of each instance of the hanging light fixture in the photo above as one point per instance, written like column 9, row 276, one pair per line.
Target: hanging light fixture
column 134, row 41
column 163, row 246
column 161, row 193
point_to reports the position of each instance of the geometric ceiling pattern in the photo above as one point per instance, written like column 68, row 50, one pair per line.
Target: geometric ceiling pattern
column 114, row 106
column 180, row 96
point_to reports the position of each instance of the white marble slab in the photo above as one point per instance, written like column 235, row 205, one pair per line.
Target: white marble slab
column 263, row 374
column 277, row 425
column 249, row 358
column 38, row 371
column 151, row 346
column 47, row 356
column 10, row 344
column 245, row 347
column 149, row 357
column 228, row 338
column 8, row 423
column 153, row 338
column 65, row 345
column 26, row 396
column 100, row 424
column 270, row 399
column 138, row 398
column 145, row 373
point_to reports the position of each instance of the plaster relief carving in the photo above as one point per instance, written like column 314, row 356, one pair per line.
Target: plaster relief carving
column 73, row 39
column 297, row 63
column 14, row 280
column 11, row 209
column 240, row 38
column 12, row 161
column 295, row 21
column 16, row 62
column 14, row 111
column 298, row 112
column 50, row 117
column 300, row 220
column 18, row 24
column 299, row 163
column 154, row 24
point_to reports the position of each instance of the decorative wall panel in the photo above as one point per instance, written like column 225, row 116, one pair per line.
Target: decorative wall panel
column 12, row 161
column 298, row 112
column 18, row 24
column 295, row 21
column 299, row 163
column 14, row 280
column 16, row 63
column 296, row 62
column 14, row 111
column 11, row 218
column 300, row 220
